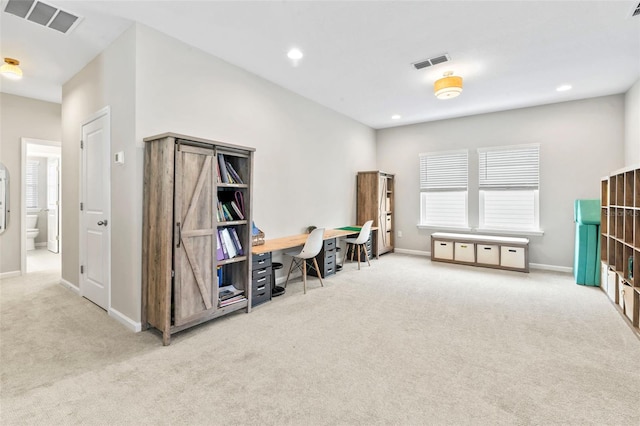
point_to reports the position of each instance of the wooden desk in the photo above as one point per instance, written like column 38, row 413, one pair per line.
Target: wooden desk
column 284, row 243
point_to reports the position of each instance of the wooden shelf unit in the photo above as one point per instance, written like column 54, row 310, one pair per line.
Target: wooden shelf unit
column 180, row 231
column 620, row 242
column 375, row 201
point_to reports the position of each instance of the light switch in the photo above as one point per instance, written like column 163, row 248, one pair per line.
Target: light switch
column 119, row 157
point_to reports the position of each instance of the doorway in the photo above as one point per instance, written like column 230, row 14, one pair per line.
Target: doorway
column 40, row 206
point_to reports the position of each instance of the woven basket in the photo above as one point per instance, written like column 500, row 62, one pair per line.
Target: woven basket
column 257, row 240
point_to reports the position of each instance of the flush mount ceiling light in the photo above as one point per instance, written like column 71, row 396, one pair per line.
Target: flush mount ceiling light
column 449, row 86
column 396, row 117
column 10, row 69
column 563, row 88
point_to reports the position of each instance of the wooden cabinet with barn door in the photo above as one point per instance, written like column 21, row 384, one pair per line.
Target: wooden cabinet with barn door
column 196, row 231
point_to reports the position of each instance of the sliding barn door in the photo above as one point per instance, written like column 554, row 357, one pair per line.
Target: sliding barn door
column 194, row 242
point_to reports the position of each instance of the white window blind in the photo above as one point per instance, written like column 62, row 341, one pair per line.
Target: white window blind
column 510, row 167
column 32, row 184
column 509, row 180
column 443, row 188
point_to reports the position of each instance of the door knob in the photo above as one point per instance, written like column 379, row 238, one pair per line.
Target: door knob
column 102, row 222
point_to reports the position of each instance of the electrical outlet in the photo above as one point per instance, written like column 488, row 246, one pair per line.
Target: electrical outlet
column 399, row 234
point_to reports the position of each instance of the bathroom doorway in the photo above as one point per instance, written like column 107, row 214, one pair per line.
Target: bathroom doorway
column 41, row 202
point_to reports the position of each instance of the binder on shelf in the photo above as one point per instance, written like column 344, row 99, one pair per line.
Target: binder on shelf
column 237, row 242
column 223, row 169
column 219, row 251
column 227, row 242
column 225, row 252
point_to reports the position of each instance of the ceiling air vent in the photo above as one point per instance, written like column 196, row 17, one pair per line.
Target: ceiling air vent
column 43, row 14
column 636, row 11
column 431, row 61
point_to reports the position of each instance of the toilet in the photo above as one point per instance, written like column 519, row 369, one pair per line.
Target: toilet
column 32, row 231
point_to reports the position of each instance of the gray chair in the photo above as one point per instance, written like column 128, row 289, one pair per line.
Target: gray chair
column 311, row 248
column 358, row 243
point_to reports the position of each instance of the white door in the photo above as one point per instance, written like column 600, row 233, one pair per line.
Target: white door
column 53, row 203
column 95, row 220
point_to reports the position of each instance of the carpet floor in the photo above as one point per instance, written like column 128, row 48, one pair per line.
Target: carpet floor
column 406, row 341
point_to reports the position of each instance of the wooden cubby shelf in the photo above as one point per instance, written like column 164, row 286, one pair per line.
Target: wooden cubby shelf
column 620, row 242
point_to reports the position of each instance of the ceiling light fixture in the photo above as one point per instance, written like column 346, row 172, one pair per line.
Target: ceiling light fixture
column 10, row 69
column 396, row 117
column 295, row 55
column 563, row 88
column 449, row 86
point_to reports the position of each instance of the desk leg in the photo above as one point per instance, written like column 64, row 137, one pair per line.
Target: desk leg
column 304, row 275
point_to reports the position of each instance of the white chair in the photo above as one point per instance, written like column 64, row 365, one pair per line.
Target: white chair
column 358, row 243
column 311, row 248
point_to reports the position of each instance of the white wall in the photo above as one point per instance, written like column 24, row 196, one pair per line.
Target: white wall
column 305, row 164
column 21, row 118
column 632, row 126
column 580, row 142
column 108, row 80
column 307, row 156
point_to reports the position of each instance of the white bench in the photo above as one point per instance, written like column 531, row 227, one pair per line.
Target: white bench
column 481, row 250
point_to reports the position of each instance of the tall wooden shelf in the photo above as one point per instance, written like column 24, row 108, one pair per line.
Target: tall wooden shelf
column 620, row 242
column 180, row 266
column 376, row 193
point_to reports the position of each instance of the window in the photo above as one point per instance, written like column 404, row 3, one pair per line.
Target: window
column 443, row 189
column 32, row 184
column 509, row 185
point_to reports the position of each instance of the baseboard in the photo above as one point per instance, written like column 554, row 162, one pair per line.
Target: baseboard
column 10, row 274
column 553, row 268
column 413, row 252
column 70, row 286
column 125, row 320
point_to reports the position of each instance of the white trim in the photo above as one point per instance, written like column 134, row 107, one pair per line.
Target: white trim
column 554, row 268
column 444, row 228
column 9, row 274
column 539, row 232
column 70, row 286
column 41, row 244
column 23, row 191
column 413, row 252
column 125, row 320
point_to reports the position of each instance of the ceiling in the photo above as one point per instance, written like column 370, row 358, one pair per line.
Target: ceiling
column 358, row 55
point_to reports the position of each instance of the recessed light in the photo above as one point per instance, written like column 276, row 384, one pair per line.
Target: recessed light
column 563, row 88
column 396, row 117
column 295, row 54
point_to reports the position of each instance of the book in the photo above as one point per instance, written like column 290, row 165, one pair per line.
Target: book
column 223, row 169
column 228, row 291
column 227, row 212
column 227, row 242
column 237, row 210
column 236, row 240
column 231, row 301
column 234, row 173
